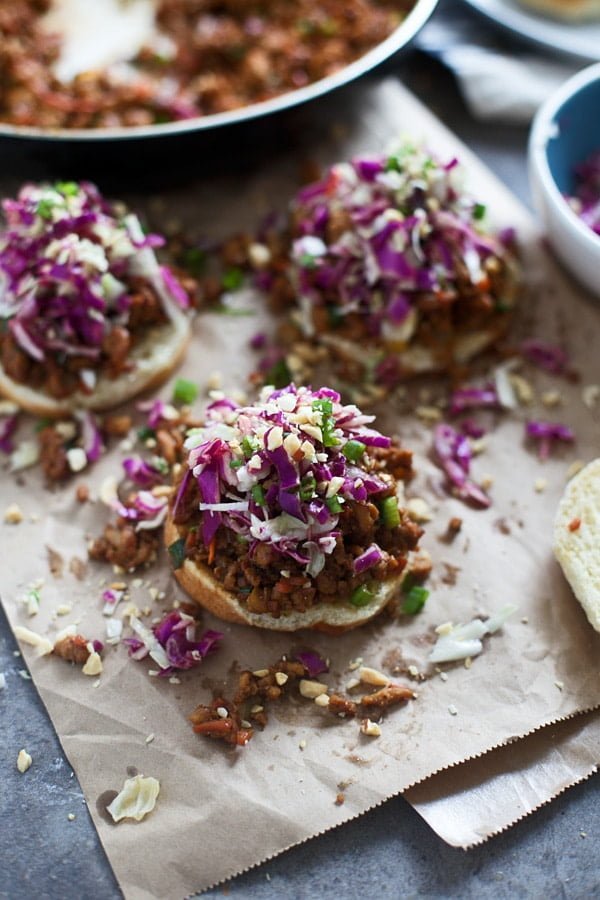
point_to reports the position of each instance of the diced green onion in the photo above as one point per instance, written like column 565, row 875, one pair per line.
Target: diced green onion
column 308, row 487
column 232, row 279
column 258, row 494
column 479, row 211
column 177, row 552
column 45, row 207
column 414, row 601
column 184, row 391
column 362, row 595
column 236, row 463
column 249, row 446
column 194, row 260
column 279, row 375
column 353, row 450
column 145, row 433
column 307, row 261
column 390, row 513
column 324, row 406
column 67, row 188
column 333, row 505
column 43, row 423
column 329, row 438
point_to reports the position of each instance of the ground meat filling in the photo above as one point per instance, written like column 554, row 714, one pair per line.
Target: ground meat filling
column 59, row 374
column 225, row 54
column 264, row 581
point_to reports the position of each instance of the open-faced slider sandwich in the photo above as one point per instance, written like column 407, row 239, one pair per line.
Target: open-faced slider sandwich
column 389, row 263
column 88, row 316
column 287, row 514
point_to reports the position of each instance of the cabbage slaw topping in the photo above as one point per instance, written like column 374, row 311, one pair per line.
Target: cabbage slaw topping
column 380, row 232
column 281, row 471
column 66, row 257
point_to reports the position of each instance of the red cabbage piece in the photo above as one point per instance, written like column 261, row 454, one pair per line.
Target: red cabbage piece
column 8, row 426
column 312, row 662
column 177, row 633
column 453, row 453
column 91, row 437
column 546, row 356
column 141, row 472
column 371, row 556
column 474, row 398
column 548, row 433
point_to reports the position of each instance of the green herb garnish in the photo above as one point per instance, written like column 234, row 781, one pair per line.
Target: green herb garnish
column 258, row 495
column 362, row 595
column 354, row 451
column 177, row 552
column 232, row 279
column 414, row 600
column 479, row 211
column 184, row 391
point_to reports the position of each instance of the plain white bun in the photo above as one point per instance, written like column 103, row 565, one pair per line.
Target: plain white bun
column 577, row 538
column 333, row 618
column 155, row 357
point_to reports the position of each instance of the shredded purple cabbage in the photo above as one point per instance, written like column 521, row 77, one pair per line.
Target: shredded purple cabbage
column 146, row 510
column 467, row 398
column 453, row 453
column 8, row 425
column 177, row 635
column 280, row 471
column 377, row 232
column 67, row 258
column 312, row 662
column 548, row 433
column 546, row 356
column 141, row 472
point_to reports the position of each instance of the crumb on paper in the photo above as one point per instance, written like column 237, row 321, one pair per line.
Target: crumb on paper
column 525, row 620
column 552, row 398
column 444, row 628
column 413, row 671
column 24, row 761
column 443, row 676
column 583, row 834
column 559, row 684
column 149, row 738
column 77, row 459
column 281, row 678
column 43, row 646
column 575, row 467
column 302, row 744
column 24, row 456
column 522, row 388
column 540, row 485
column 71, row 817
column 2, row 681
column 136, row 799
column 352, row 683
column 174, row 680
column 322, row 700
column 590, row 395
column 93, row 664
column 339, row 799
column 13, row 514
column 24, row 674
column 370, row 728
column 452, row 710
column 372, row 676
column 63, row 609
column 311, row 689
column 82, row 493
column 355, row 663
column 468, row 662
column 419, row 510
column 428, row 414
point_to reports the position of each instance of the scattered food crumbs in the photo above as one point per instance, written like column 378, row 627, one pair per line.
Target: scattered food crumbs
column 281, row 678
column 487, row 481
column 71, row 817
column 352, row 683
column 522, row 387
column 13, row 514
column 413, row 671
column 583, row 834
column 444, row 628
column 468, row 662
column 373, row 676
column 419, row 510
column 452, row 710
column 591, row 395
column 302, row 744
column 575, row 524
column 77, row 459
column 153, row 673
column 2, row 681
column 137, row 583
column 82, row 493
column 214, row 382
column 540, row 485
column 311, row 689
column 428, row 414
column 174, row 680
column 93, row 664
column 150, row 738
column 551, row 398
column 24, row 761
column 96, row 683
column 222, row 712
column 525, row 620
column 136, row 799
column 443, row 676
column 370, row 728
column 322, row 700
column 339, row 799
column 64, row 609
column 559, row 684
column 355, row 663
column 42, row 645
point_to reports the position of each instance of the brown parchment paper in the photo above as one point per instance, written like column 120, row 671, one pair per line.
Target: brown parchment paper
column 471, row 802
column 221, row 811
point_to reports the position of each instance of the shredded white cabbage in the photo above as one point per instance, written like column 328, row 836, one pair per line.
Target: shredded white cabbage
column 464, row 641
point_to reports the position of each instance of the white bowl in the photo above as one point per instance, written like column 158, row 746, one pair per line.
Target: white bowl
column 565, row 132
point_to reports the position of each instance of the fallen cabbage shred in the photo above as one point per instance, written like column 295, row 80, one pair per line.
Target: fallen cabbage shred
column 464, row 641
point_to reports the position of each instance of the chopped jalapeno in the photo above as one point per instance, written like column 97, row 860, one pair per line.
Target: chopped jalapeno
column 185, row 391
column 362, row 595
column 353, row 450
column 390, row 513
column 334, row 505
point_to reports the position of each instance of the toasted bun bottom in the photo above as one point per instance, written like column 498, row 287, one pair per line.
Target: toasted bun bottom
column 333, row 618
column 577, row 538
column 154, row 358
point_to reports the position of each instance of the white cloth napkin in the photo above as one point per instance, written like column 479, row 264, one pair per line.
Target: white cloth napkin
column 499, row 80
